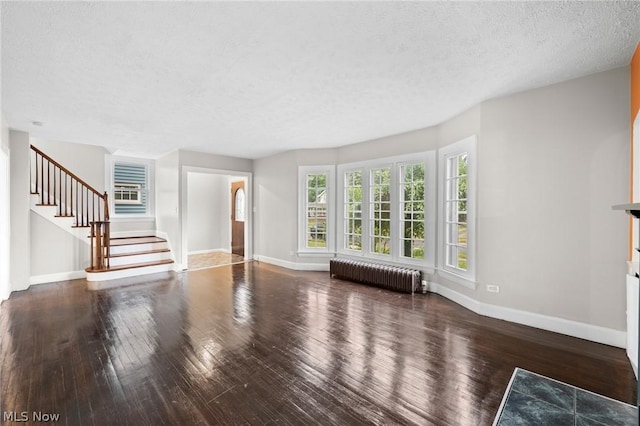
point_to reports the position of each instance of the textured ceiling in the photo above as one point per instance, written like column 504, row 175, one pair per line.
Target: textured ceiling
column 252, row 79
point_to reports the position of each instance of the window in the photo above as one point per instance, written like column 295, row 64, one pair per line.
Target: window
column 412, row 208
column 239, row 205
column 456, row 212
column 316, row 227
column 129, row 180
column 353, row 210
column 380, row 210
column 391, row 201
column 457, row 230
column 127, row 193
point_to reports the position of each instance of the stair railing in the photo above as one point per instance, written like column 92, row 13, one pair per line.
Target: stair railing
column 73, row 197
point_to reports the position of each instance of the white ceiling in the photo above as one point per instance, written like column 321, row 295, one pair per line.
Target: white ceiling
column 253, row 79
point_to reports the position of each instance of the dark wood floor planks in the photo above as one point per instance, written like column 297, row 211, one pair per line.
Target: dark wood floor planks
column 257, row 344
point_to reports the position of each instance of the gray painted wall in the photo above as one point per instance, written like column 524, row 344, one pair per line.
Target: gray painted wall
column 276, row 201
column 211, row 161
column 551, row 162
column 20, row 207
column 208, row 212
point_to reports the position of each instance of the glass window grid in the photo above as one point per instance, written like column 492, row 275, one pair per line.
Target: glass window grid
column 316, row 211
column 456, row 212
column 412, row 209
column 353, row 210
column 380, row 210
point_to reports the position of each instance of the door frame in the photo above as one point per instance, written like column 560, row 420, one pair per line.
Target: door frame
column 248, row 224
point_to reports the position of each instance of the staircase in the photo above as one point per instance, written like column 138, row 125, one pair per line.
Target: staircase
column 67, row 201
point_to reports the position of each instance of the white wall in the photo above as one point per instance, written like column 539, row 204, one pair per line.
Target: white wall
column 208, row 212
column 20, row 207
column 168, row 201
column 85, row 161
column 54, row 251
column 5, row 228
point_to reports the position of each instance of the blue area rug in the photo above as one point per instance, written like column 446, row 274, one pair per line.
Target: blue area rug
column 532, row 399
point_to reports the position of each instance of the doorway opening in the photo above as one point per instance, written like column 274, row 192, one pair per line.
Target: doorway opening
column 217, row 219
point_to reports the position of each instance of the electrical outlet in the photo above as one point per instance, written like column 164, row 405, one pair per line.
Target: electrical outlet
column 493, row 288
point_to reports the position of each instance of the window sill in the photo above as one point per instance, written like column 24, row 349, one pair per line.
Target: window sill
column 132, row 218
column 327, row 254
column 458, row 279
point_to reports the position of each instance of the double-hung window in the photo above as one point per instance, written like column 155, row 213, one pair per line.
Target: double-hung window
column 457, row 210
column 380, row 210
column 412, row 210
column 130, row 180
column 352, row 208
column 316, row 209
column 389, row 209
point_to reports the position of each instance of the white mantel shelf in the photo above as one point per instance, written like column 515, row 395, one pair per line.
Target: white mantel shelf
column 633, row 208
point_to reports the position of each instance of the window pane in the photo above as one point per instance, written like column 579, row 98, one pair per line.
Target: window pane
column 461, row 230
column 462, row 259
column 462, row 164
column 417, row 249
column 462, row 188
column 451, row 255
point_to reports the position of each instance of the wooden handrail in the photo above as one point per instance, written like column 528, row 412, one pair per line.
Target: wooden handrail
column 71, row 174
column 57, row 186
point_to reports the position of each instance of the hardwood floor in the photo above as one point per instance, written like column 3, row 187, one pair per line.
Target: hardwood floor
column 256, row 344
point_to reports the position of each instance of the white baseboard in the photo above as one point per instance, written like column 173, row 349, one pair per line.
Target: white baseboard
column 580, row 330
column 52, row 278
column 292, row 265
column 218, row 250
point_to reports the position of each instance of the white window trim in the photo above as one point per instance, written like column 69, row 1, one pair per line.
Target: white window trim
column 394, row 258
column 110, row 161
column 303, row 171
column 465, row 278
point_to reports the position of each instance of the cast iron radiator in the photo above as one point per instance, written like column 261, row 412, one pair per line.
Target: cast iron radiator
column 389, row 277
